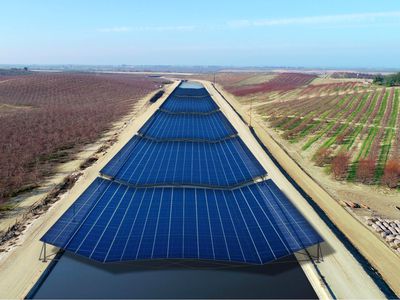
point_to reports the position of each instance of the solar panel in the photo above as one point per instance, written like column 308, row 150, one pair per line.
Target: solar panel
column 192, row 92
column 147, row 162
column 253, row 224
column 163, row 125
column 183, row 188
column 187, row 104
column 67, row 224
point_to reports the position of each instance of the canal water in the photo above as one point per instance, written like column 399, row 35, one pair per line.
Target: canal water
column 78, row 277
column 191, row 85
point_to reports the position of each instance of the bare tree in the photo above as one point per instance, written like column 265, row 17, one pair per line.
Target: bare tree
column 53, row 115
column 391, row 176
column 340, row 165
column 323, row 156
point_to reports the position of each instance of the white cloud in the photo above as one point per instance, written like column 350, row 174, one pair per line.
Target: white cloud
column 328, row 19
column 356, row 19
column 147, row 28
column 115, row 29
column 166, row 28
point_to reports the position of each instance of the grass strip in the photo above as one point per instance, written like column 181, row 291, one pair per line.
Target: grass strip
column 364, row 119
column 343, row 127
column 388, row 137
column 329, row 125
column 366, row 146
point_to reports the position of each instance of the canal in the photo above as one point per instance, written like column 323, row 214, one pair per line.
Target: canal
column 78, row 277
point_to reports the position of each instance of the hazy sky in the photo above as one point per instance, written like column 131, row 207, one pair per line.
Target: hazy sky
column 260, row 33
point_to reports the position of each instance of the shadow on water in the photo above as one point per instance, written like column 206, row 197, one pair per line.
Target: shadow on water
column 273, row 269
column 79, row 277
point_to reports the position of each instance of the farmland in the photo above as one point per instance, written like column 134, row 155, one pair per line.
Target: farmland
column 46, row 118
column 281, row 82
column 350, row 128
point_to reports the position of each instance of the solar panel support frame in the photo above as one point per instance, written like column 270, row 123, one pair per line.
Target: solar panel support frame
column 317, row 258
column 231, row 187
column 44, row 252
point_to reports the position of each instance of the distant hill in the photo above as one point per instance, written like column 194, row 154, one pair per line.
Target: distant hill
column 352, row 75
column 15, row 72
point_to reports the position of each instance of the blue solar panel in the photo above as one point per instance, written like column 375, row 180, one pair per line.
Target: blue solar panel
column 72, row 218
column 192, row 92
column 186, row 104
column 147, row 162
column 163, row 125
column 138, row 215
column 253, row 224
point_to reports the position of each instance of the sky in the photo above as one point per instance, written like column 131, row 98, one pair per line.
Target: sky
column 293, row 33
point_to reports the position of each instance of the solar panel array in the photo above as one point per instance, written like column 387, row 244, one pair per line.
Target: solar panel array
column 148, row 162
column 114, row 222
column 190, row 92
column 186, row 104
column 193, row 147
column 184, row 187
column 165, row 125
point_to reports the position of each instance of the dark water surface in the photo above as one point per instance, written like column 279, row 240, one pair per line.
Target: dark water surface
column 76, row 277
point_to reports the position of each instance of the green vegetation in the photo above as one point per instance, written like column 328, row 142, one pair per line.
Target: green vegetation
column 390, row 133
column 6, row 207
column 374, row 129
column 331, row 123
column 15, row 72
column 351, row 139
column 344, row 126
column 360, row 124
column 318, row 136
column 366, row 145
column 388, row 80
